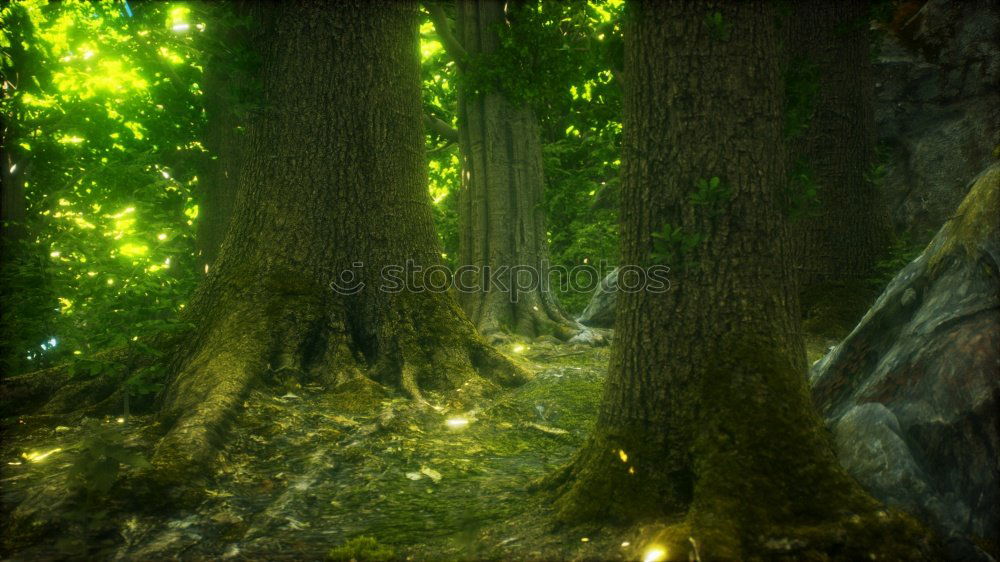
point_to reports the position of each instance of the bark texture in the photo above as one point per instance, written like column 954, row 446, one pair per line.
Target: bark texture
column 706, row 421
column 501, row 220
column 334, row 180
column 844, row 239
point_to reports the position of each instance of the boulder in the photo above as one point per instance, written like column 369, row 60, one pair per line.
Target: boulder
column 600, row 311
column 937, row 109
column 912, row 393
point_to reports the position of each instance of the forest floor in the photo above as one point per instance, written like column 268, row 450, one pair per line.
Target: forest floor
column 299, row 479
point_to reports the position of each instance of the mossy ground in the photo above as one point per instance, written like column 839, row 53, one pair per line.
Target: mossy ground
column 300, row 476
column 302, row 479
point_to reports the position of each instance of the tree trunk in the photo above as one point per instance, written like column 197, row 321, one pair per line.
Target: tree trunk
column 334, row 181
column 706, row 421
column 844, row 239
column 501, row 219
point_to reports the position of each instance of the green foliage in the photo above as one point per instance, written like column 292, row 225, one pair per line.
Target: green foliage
column 711, row 194
column 361, row 549
column 105, row 136
column 672, row 246
column 543, row 47
column 717, row 26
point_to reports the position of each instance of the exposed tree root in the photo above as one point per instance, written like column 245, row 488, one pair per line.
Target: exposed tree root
column 422, row 344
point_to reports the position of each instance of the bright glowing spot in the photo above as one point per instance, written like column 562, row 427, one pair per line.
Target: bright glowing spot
column 518, row 348
column 111, row 281
column 456, row 423
column 206, row 268
column 133, row 250
column 165, row 174
column 88, row 54
column 428, row 48
column 37, row 456
column 631, row 470
column 584, row 539
column 623, row 455
column 626, row 543
column 120, row 420
column 161, row 236
column 13, row 167
column 55, row 254
column 70, row 139
column 654, row 554
column 181, row 27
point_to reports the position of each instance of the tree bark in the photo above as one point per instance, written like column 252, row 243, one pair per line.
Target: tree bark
column 501, row 219
column 849, row 233
column 706, row 421
column 334, row 180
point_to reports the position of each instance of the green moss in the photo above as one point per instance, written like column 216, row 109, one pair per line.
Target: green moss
column 975, row 220
column 361, row 549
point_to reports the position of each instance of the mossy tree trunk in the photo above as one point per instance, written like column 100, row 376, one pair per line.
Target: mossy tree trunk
column 706, row 420
column 334, row 177
column 501, row 219
column 842, row 241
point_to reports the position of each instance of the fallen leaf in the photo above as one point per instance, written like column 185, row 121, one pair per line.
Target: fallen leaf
column 431, row 473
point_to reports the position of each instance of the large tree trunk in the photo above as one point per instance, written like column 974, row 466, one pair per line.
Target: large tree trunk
column 502, row 222
column 706, row 420
column 334, row 181
column 849, row 232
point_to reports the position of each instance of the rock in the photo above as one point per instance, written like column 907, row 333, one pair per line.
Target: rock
column 912, row 393
column 600, row 311
column 937, row 111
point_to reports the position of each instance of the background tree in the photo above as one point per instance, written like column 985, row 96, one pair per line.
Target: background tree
column 845, row 230
column 501, row 218
column 557, row 57
column 706, row 419
column 331, row 180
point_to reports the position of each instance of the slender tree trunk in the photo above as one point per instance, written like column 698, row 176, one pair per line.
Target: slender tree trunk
column 334, row 181
column 842, row 242
column 501, row 219
column 706, row 421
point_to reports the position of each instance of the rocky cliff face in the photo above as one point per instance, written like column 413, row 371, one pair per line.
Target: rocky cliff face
column 937, row 108
column 913, row 393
